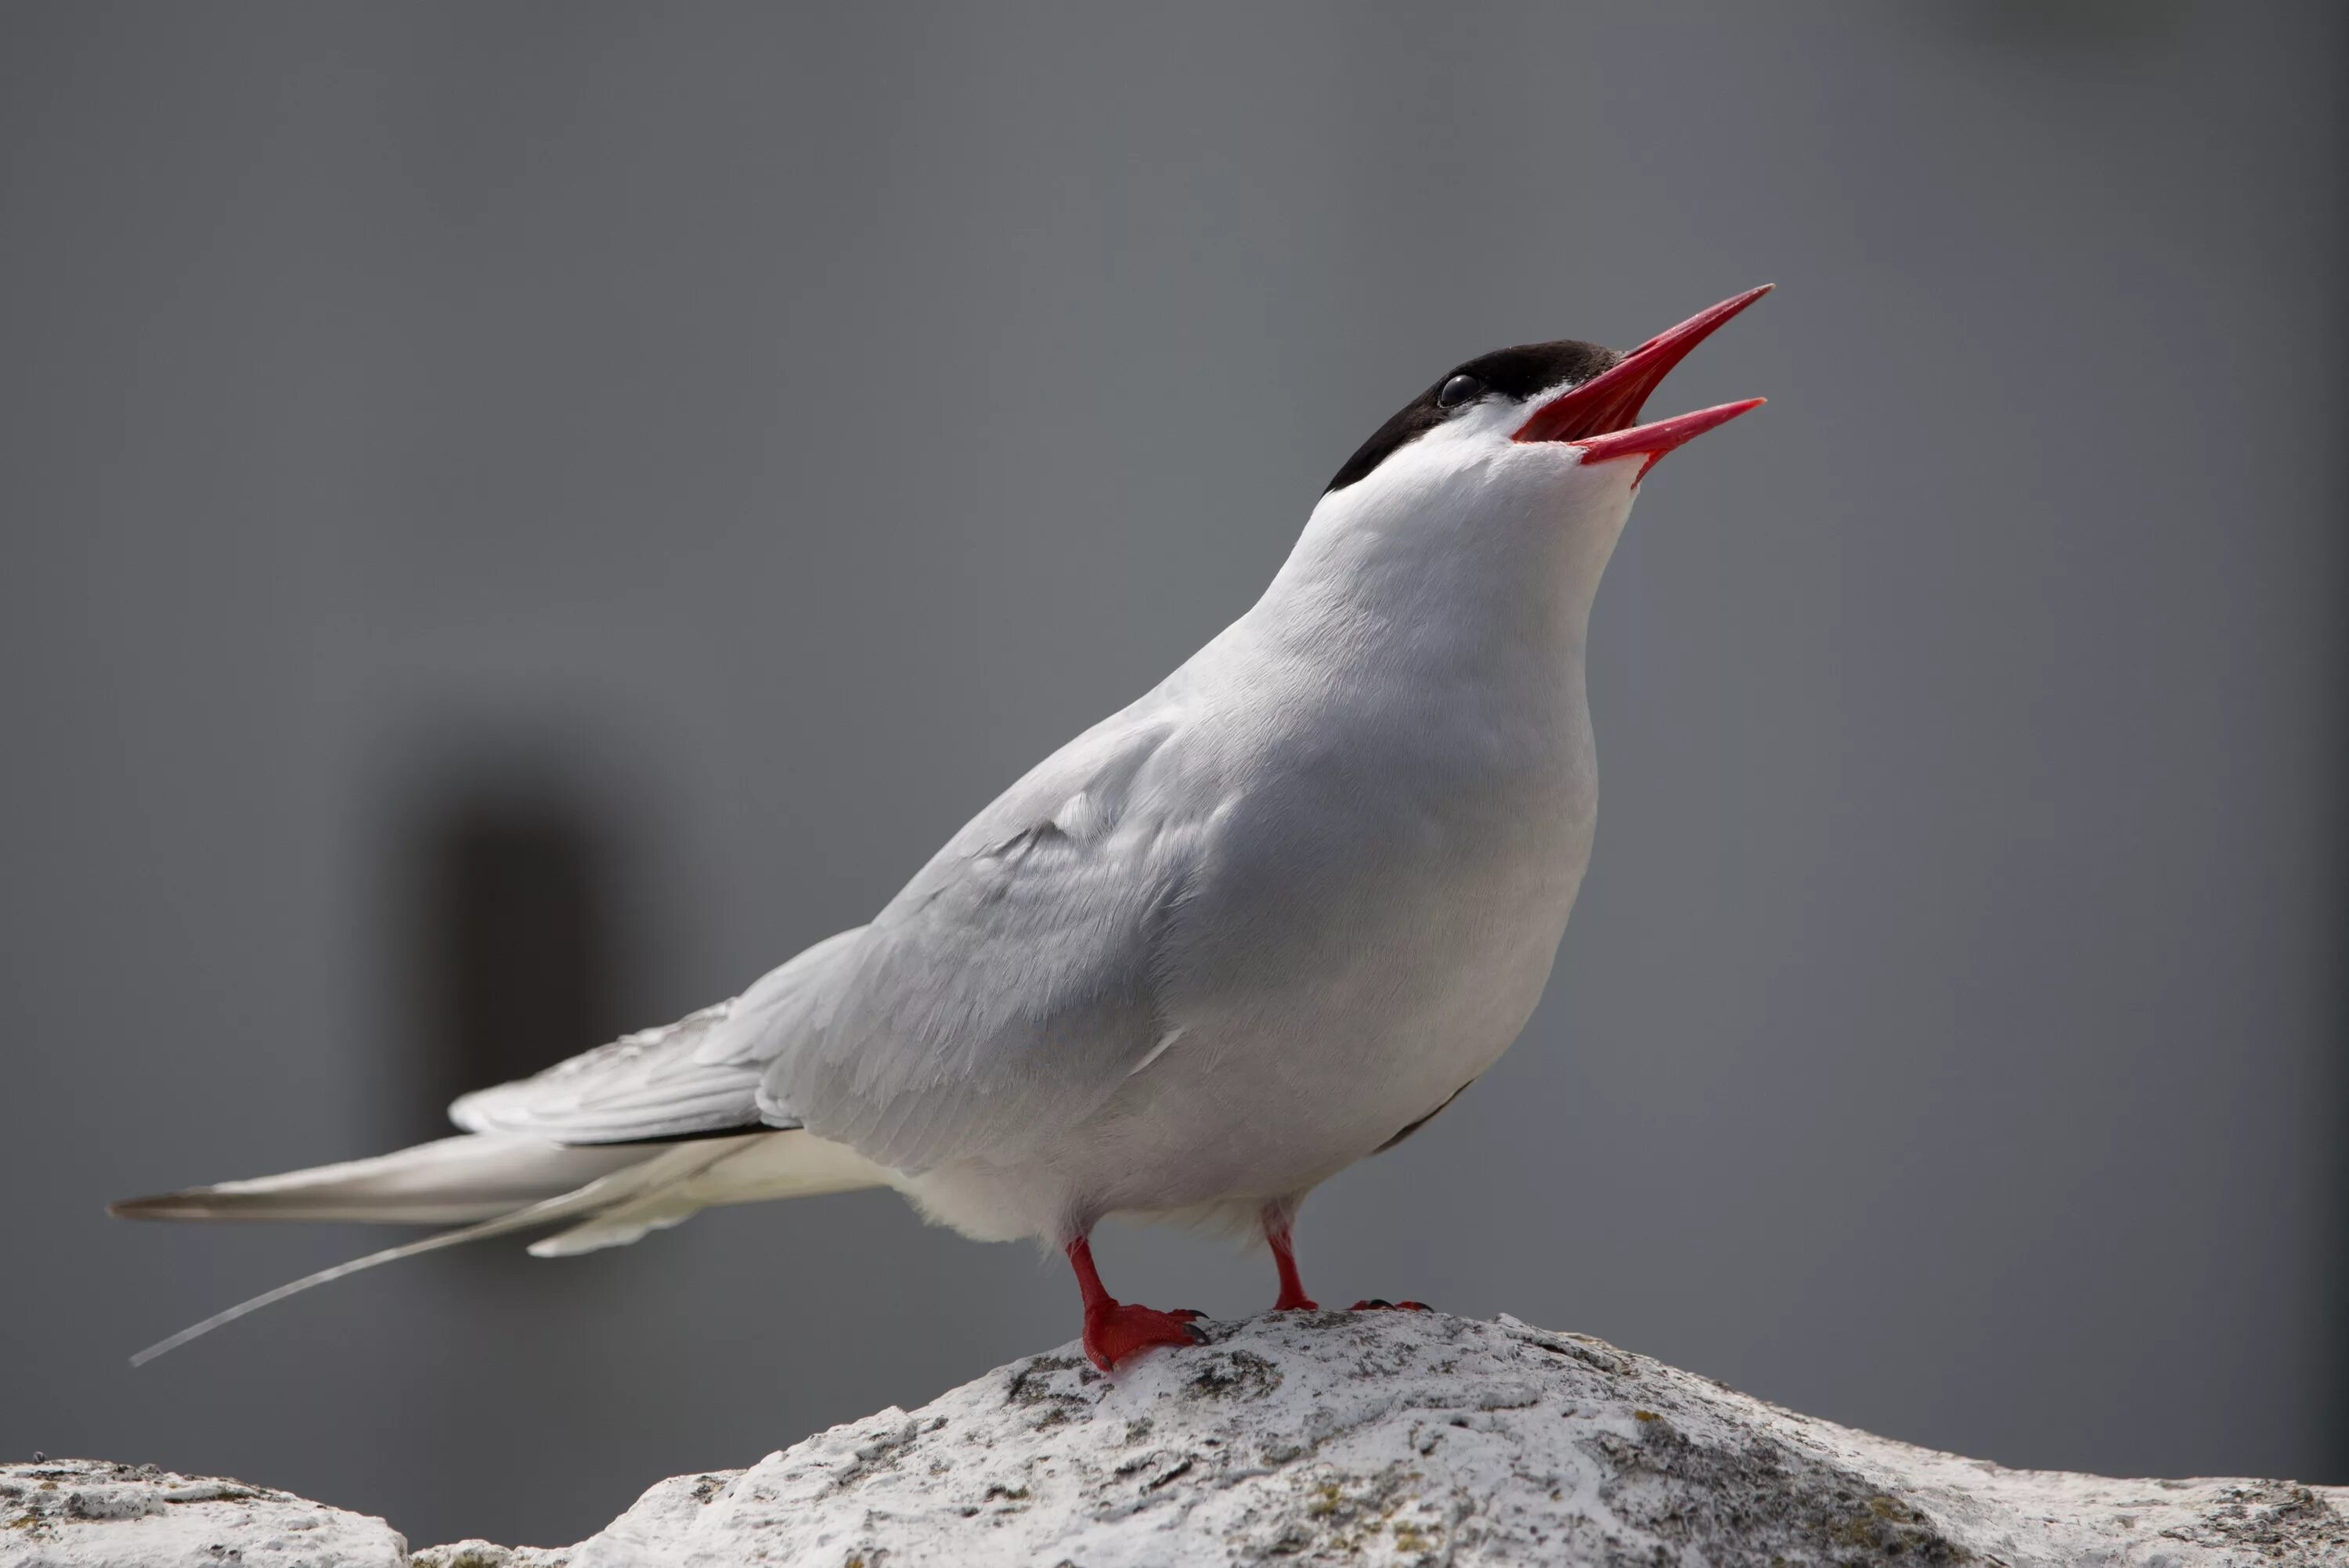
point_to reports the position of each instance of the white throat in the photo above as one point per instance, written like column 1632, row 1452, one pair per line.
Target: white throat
column 1458, row 563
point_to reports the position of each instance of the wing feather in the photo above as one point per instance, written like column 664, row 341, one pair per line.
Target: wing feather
column 641, row 1086
column 1011, row 986
column 691, row 1078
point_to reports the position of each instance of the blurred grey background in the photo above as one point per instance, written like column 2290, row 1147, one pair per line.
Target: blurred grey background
column 518, row 517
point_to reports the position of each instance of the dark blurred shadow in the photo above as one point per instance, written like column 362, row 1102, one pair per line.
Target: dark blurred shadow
column 514, row 949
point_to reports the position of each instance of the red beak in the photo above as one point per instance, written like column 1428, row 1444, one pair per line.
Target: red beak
column 1599, row 415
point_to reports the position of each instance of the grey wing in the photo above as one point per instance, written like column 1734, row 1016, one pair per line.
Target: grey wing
column 696, row 1077
column 1013, row 985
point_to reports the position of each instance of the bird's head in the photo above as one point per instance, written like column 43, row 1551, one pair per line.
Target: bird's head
column 1538, row 445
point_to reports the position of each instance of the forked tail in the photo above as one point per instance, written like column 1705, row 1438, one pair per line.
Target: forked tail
column 493, row 1185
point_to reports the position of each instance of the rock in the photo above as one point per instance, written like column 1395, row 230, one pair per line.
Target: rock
column 1370, row 1439
column 86, row 1513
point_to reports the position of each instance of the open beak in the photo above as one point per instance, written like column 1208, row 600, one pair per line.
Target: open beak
column 1599, row 416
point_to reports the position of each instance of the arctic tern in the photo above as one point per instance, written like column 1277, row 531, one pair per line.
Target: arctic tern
column 1263, row 923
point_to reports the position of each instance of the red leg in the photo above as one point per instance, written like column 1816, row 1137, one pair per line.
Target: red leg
column 1114, row 1331
column 1292, row 1289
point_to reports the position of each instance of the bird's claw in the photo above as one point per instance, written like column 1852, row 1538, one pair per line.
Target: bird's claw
column 1380, row 1304
column 1118, row 1331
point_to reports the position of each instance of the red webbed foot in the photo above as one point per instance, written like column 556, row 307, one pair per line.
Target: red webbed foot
column 1116, row 1332
column 1379, row 1304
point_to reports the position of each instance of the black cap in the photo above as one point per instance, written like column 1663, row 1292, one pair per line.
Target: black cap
column 1516, row 372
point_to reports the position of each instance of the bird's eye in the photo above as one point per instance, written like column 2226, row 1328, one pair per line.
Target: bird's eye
column 1457, row 390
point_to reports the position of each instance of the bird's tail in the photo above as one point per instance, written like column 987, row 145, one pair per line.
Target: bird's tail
column 493, row 1185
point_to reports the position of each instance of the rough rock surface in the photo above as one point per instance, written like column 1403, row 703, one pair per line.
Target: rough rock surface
column 1371, row 1439
column 86, row 1513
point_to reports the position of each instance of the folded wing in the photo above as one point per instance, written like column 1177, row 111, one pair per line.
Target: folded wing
column 1010, row 987
column 693, row 1078
column 1014, row 983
